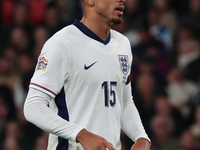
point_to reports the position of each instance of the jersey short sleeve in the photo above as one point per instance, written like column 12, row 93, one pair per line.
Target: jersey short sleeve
column 52, row 69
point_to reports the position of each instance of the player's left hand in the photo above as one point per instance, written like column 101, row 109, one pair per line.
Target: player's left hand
column 141, row 144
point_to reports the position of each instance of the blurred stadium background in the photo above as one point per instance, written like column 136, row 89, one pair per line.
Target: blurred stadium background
column 165, row 38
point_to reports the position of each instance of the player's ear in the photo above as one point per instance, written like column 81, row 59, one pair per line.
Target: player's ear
column 90, row 2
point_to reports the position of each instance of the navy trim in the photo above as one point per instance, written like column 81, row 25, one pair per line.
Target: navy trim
column 89, row 33
column 62, row 112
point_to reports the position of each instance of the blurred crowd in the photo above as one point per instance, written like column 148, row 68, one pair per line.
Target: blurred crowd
column 165, row 41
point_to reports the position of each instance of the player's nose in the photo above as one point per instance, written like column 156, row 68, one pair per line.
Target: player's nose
column 122, row 1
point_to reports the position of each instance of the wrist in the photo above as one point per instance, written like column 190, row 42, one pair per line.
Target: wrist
column 142, row 143
column 80, row 135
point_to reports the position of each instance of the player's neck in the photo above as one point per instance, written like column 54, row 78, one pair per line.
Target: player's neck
column 100, row 28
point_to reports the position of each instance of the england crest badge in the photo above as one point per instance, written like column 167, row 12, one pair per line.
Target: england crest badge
column 123, row 60
column 42, row 64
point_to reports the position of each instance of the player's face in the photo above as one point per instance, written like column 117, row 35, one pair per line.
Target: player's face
column 111, row 10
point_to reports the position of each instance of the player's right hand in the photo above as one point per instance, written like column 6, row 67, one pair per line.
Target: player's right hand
column 90, row 141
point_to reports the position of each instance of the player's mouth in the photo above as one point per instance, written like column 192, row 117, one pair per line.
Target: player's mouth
column 120, row 9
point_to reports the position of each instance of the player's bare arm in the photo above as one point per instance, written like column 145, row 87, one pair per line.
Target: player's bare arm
column 90, row 141
column 141, row 144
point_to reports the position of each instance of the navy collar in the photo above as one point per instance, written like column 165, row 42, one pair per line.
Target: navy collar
column 89, row 33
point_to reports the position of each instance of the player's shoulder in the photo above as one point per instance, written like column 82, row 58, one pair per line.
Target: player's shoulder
column 118, row 36
column 63, row 36
column 58, row 41
column 65, row 32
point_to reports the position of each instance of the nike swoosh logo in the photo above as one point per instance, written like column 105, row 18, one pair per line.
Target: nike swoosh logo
column 87, row 67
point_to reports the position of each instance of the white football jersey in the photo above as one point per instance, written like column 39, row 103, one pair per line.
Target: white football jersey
column 86, row 77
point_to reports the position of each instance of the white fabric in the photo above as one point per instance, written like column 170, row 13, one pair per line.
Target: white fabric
column 131, row 122
column 36, row 110
column 93, row 95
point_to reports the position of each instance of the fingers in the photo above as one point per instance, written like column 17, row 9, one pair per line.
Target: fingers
column 106, row 145
column 90, row 141
column 109, row 146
